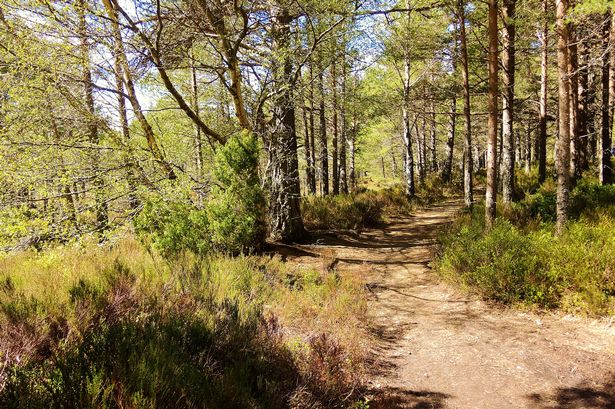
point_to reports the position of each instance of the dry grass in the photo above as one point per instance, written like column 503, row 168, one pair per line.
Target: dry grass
column 302, row 322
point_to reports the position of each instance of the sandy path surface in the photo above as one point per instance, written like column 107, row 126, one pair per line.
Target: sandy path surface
column 437, row 348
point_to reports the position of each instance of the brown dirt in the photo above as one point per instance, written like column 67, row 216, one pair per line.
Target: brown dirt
column 435, row 347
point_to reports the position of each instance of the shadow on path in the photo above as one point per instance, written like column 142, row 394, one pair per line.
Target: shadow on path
column 396, row 398
column 580, row 396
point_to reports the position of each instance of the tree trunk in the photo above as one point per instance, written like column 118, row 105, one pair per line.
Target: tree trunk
column 573, row 65
column 334, row 139
column 608, row 178
column 324, row 154
column 307, row 148
column 286, row 224
column 198, row 146
column 407, row 136
column 133, row 202
column 394, row 163
column 407, row 133
column 308, row 127
column 101, row 208
column 467, row 132
column 155, row 57
column 351, row 152
column 148, row 131
column 352, row 168
column 64, row 188
column 605, row 128
column 508, row 77
column 528, row 147
column 432, row 139
column 230, row 50
column 492, row 124
column 422, row 146
column 563, row 143
column 450, row 142
column 542, row 117
column 583, row 83
column 592, row 141
column 312, row 151
column 519, row 159
column 344, row 132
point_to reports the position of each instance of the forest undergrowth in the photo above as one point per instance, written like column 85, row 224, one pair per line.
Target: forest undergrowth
column 123, row 327
column 161, row 317
column 521, row 260
column 371, row 204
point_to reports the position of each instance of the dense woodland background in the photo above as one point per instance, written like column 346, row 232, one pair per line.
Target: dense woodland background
column 149, row 147
column 109, row 105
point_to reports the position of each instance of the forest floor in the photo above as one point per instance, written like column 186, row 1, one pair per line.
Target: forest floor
column 436, row 347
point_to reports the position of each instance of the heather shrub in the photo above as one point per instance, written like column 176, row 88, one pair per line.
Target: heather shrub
column 532, row 266
column 433, row 189
column 119, row 328
column 586, row 199
column 589, row 199
column 362, row 209
column 130, row 348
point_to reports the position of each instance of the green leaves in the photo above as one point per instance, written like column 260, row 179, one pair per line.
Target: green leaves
column 236, row 205
column 232, row 219
column 587, row 7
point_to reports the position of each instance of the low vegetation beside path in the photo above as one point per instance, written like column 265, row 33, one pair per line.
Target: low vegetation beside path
column 170, row 313
column 370, row 207
column 123, row 327
column 521, row 261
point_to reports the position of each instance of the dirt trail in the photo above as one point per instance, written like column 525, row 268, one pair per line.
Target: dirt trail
column 437, row 348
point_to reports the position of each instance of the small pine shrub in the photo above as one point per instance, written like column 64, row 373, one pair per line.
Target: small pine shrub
column 236, row 205
column 173, row 227
column 232, row 220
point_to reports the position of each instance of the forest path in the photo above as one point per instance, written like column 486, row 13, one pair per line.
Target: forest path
column 437, row 348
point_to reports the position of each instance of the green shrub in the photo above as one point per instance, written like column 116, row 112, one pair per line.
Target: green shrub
column 434, row 190
column 175, row 350
column 236, row 205
column 589, row 199
column 341, row 212
column 534, row 208
column 24, row 227
column 173, row 227
column 526, row 183
column 502, row 265
column 574, row 271
column 232, row 219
